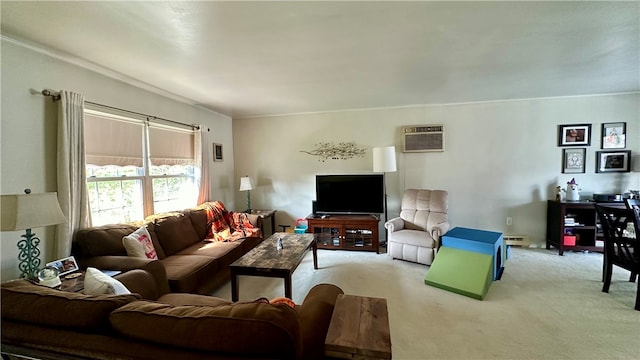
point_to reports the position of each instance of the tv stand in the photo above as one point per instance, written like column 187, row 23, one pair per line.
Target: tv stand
column 345, row 232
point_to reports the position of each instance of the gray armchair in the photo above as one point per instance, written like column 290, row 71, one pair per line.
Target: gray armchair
column 415, row 235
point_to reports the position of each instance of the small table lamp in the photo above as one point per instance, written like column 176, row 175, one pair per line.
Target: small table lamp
column 247, row 185
column 24, row 212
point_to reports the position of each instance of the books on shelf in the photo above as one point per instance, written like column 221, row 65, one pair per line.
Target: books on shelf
column 571, row 221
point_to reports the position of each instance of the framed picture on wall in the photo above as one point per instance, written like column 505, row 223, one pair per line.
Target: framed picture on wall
column 217, row 152
column 614, row 135
column 574, row 135
column 573, row 161
column 613, row 161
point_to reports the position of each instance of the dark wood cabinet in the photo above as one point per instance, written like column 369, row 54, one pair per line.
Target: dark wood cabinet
column 345, row 232
column 574, row 226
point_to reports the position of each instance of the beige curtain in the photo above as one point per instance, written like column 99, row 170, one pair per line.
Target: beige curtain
column 72, row 178
column 201, row 151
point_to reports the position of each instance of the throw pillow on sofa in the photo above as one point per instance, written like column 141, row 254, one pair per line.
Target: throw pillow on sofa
column 98, row 283
column 139, row 244
column 241, row 225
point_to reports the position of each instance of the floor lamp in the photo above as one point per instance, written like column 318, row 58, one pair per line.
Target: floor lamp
column 25, row 212
column 384, row 161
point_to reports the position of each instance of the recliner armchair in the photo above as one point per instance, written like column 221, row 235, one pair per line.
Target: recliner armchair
column 415, row 235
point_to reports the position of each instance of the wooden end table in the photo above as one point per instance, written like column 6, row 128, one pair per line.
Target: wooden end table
column 359, row 329
column 266, row 260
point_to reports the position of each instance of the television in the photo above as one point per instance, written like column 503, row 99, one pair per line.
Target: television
column 350, row 194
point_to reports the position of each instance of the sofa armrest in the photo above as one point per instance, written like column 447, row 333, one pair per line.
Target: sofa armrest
column 140, row 282
column 394, row 224
column 128, row 263
column 255, row 220
column 315, row 315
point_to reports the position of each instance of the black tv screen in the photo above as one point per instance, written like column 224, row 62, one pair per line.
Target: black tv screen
column 350, row 194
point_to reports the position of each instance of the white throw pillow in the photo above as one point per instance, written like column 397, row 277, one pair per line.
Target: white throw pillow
column 139, row 244
column 97, row 283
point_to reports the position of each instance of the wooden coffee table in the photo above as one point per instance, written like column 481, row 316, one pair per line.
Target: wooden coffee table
column 359, row 329
column 266, row 260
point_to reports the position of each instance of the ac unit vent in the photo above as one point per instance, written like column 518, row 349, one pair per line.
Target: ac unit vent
column 424, row 138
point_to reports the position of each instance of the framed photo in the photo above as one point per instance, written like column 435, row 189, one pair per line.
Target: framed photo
column 574, row 135
column 614, row 135
column 573, row 161
column 613, row 161
column 65, row 265
column 217, row 152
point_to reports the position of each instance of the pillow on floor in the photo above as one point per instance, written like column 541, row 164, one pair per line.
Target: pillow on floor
column 139, row 244
column 98, row 283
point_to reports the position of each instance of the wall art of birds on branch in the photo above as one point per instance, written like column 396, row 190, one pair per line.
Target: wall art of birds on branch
column 339, row 151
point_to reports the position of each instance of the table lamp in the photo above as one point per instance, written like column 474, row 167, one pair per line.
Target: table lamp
column 247, row 185
column 25, row 212
column 384, row 161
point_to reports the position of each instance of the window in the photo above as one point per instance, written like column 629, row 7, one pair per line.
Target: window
column 136, row 168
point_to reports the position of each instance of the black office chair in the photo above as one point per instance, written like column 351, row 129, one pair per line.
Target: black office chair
column 619, row 250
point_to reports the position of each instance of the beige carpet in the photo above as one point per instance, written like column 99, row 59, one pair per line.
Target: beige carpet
column 545, row 307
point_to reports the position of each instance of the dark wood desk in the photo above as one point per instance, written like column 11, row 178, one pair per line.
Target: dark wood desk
column 575, row 218
column 266, row 260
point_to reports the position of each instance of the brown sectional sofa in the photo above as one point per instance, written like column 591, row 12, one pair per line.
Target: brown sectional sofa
column 192, row 265
column 153, row 324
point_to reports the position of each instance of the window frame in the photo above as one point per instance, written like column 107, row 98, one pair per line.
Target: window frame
column 145, row 171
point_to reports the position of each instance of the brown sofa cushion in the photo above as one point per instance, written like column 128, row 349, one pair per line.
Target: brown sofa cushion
column 175, row 232
column 31, row 303
column 177, row 299
column 186, row 273
column 101, row 240
column 241, row 328
column 198, row 219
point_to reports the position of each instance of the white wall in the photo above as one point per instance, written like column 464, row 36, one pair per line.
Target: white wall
column 501, row 158
column 28, row 130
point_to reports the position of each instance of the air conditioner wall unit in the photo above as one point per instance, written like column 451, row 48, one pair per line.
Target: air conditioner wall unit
column 423, row 138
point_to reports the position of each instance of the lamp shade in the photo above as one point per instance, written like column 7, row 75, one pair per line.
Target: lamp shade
column 384, row 159
column 28, row 211
column 246, row 183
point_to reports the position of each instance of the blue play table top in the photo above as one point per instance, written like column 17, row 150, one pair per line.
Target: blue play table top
column 489, row 237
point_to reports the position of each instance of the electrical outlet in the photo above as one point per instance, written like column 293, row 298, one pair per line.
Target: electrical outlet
column 509, row 221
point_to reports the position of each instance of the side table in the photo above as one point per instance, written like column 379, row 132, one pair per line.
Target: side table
column 266, row 214
column 359, row 329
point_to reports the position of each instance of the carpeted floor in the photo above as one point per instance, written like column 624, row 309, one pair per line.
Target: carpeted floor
column 545, row 306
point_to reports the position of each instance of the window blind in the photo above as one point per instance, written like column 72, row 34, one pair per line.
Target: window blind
column 171, row 147
column 110, row 141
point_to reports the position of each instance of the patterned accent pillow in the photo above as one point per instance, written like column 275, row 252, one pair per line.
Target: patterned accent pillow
column 98, row 283
column 240, row 221
column 278, row 300
column 139, row 244
column 241, row 226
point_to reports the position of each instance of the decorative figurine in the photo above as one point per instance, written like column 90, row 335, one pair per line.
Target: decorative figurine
column 573, row 192
column 559, row 193
column 279, row 244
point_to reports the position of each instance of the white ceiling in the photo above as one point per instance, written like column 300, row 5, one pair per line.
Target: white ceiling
column 256, row 58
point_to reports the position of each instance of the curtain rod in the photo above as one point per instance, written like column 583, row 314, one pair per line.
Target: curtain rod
column 55, row 96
